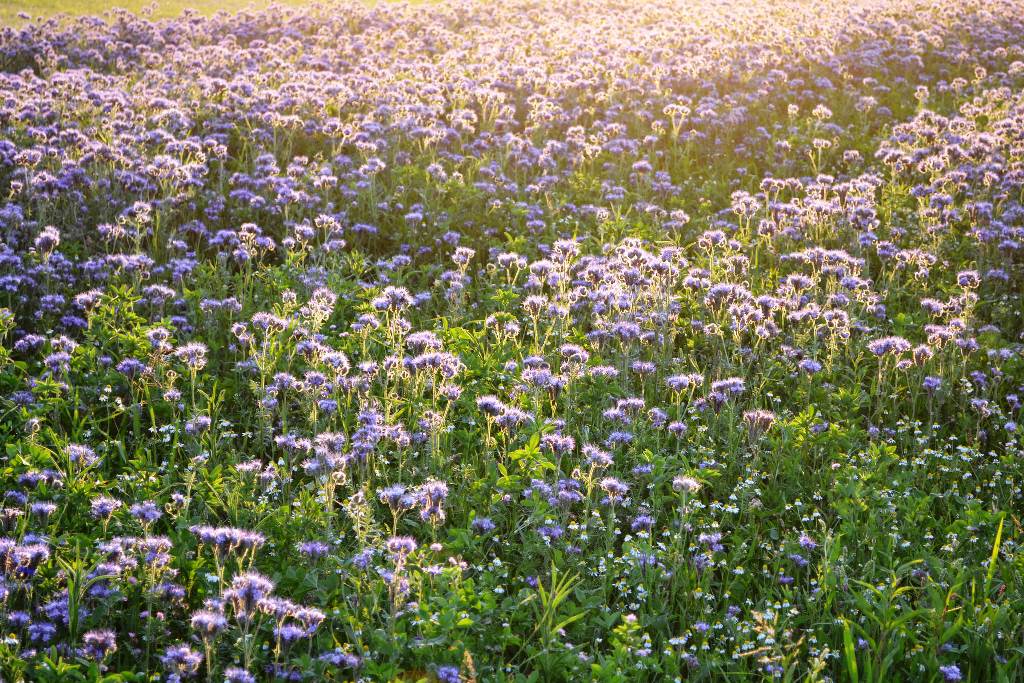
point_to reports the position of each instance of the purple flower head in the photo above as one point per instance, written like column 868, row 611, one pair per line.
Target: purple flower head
column 401, row 547
column 314, row 550
column 889, row 346
column 234, row 674
column 146, row 512
column 193, row 355
column 448, row 674
column 615, row 488
column 951, row 673
column 98, row 644
column 245, row 593
column 81, row 456
column 47, row 240
column 483, row 525
column 208, row 623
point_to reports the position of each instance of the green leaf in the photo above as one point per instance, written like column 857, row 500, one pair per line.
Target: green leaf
column 850, row 652
column 994, row 558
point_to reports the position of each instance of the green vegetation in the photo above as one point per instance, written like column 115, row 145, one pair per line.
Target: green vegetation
column 518, row 342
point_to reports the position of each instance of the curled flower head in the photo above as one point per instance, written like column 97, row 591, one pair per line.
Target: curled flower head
column 193, row 355
column 98, row 644
column 685, row 484
column 401, row 547
column 181, row 660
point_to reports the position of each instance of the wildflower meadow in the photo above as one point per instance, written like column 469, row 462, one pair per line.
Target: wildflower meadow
column 595, row 340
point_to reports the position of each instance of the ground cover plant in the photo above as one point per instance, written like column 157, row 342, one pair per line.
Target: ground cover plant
column 514, row 341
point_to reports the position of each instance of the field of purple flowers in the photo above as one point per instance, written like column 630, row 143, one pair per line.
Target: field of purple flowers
column 613, row 341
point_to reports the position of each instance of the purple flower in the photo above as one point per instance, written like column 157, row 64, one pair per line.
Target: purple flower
column 483, row 525
column 686, row 484
column 208, row 623
column 448, row 674
column 146, row 512
column 314, row 550
column 234, row 674
column 80, row 455
column 193, row 355
column 181, row 660
column 246, row 591
column 968, row 279
column 401, row 547
column 951, row 673
column 98, row 643
column 48, row 239
column 889, row 346
column 615, row 488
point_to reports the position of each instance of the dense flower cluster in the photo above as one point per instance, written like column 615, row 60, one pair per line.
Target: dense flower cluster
column 475, row 341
